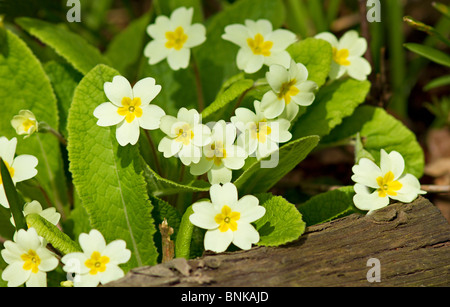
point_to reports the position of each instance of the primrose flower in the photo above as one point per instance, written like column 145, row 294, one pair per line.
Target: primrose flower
column 173, row 38
column 20, row 168
column 185, row 136
column 98, row 263
column 129, row 108
column 35, row 207
column 259, row 135
column 25, row 123
column 347, row 55
column 259, row 44
column 227, row 219
column 375, row 185
column 28, row 260
column 290, row 89
column 221, row 156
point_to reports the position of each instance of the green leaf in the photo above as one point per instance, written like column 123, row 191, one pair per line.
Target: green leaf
column 183, row 241
column 430, row 53
column 159, row 186
column 333, row 103
column 6, row 228
column 52, row 234
column 328, row 206
column 126, row 48
column 438, row 82
column 15, row 203
column 256, row 179
column 215, row 52
column 282, row 223
column 64, row 80
column 379, row 130
column 24, row 85
column 222, row 104
column 316, row 55
column 72, row 47
column 109, row 178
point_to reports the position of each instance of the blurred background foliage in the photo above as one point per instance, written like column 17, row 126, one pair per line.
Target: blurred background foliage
column 412, row 86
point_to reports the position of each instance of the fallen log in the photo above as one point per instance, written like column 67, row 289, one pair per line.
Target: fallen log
column 399, row 245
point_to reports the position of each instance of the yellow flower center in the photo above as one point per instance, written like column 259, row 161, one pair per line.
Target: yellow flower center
column 97, row 263
column 130, row 108
column 10, row 170
column 387, row 185
column 32, row 261
column 184, row 134
column 288, row 90
column 28, row 123
column 227, row 219
column 176, row 39
column 259, row 46
column 260, row 131
column 341, row 56
column 219, row 153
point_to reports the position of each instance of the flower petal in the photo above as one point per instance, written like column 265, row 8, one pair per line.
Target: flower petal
column 196, row 35
column 151, row 117
column 223, row 195
column 107, row 115
column 392, row 162
column 219, row 174
column 156, row 51
column 359, row 68
column 201, row 167
column 169, row 147
column 237, row 34
column 218, row 241
column 117, row 89
column 24, row 167
column 271, row 105
column 245, row 236
column 366, row 173
column 8, row 149
column 203, row 216
column 128, row 133
column 146, row 89
column 370, row 201
column 276, row 76
column 179, row 58
column 249, row 62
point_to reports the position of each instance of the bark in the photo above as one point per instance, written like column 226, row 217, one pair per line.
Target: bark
column 411, row 242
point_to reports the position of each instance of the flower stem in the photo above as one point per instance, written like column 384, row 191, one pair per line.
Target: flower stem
column 198, row 83
column 154, row 153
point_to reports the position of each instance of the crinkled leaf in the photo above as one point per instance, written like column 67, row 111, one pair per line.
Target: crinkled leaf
column 379, row 130
column 328, row 206
column 333, row 103
column 25, row 86
column 256, row 179
column 316, row 55
column 282, row 223
column 52, row 234
column 222, row 106
column 159, row 186
column 64, row 80
column 72, row 47
column 108, row 177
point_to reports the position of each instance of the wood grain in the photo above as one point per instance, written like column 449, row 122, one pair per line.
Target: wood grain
column 411, row 241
